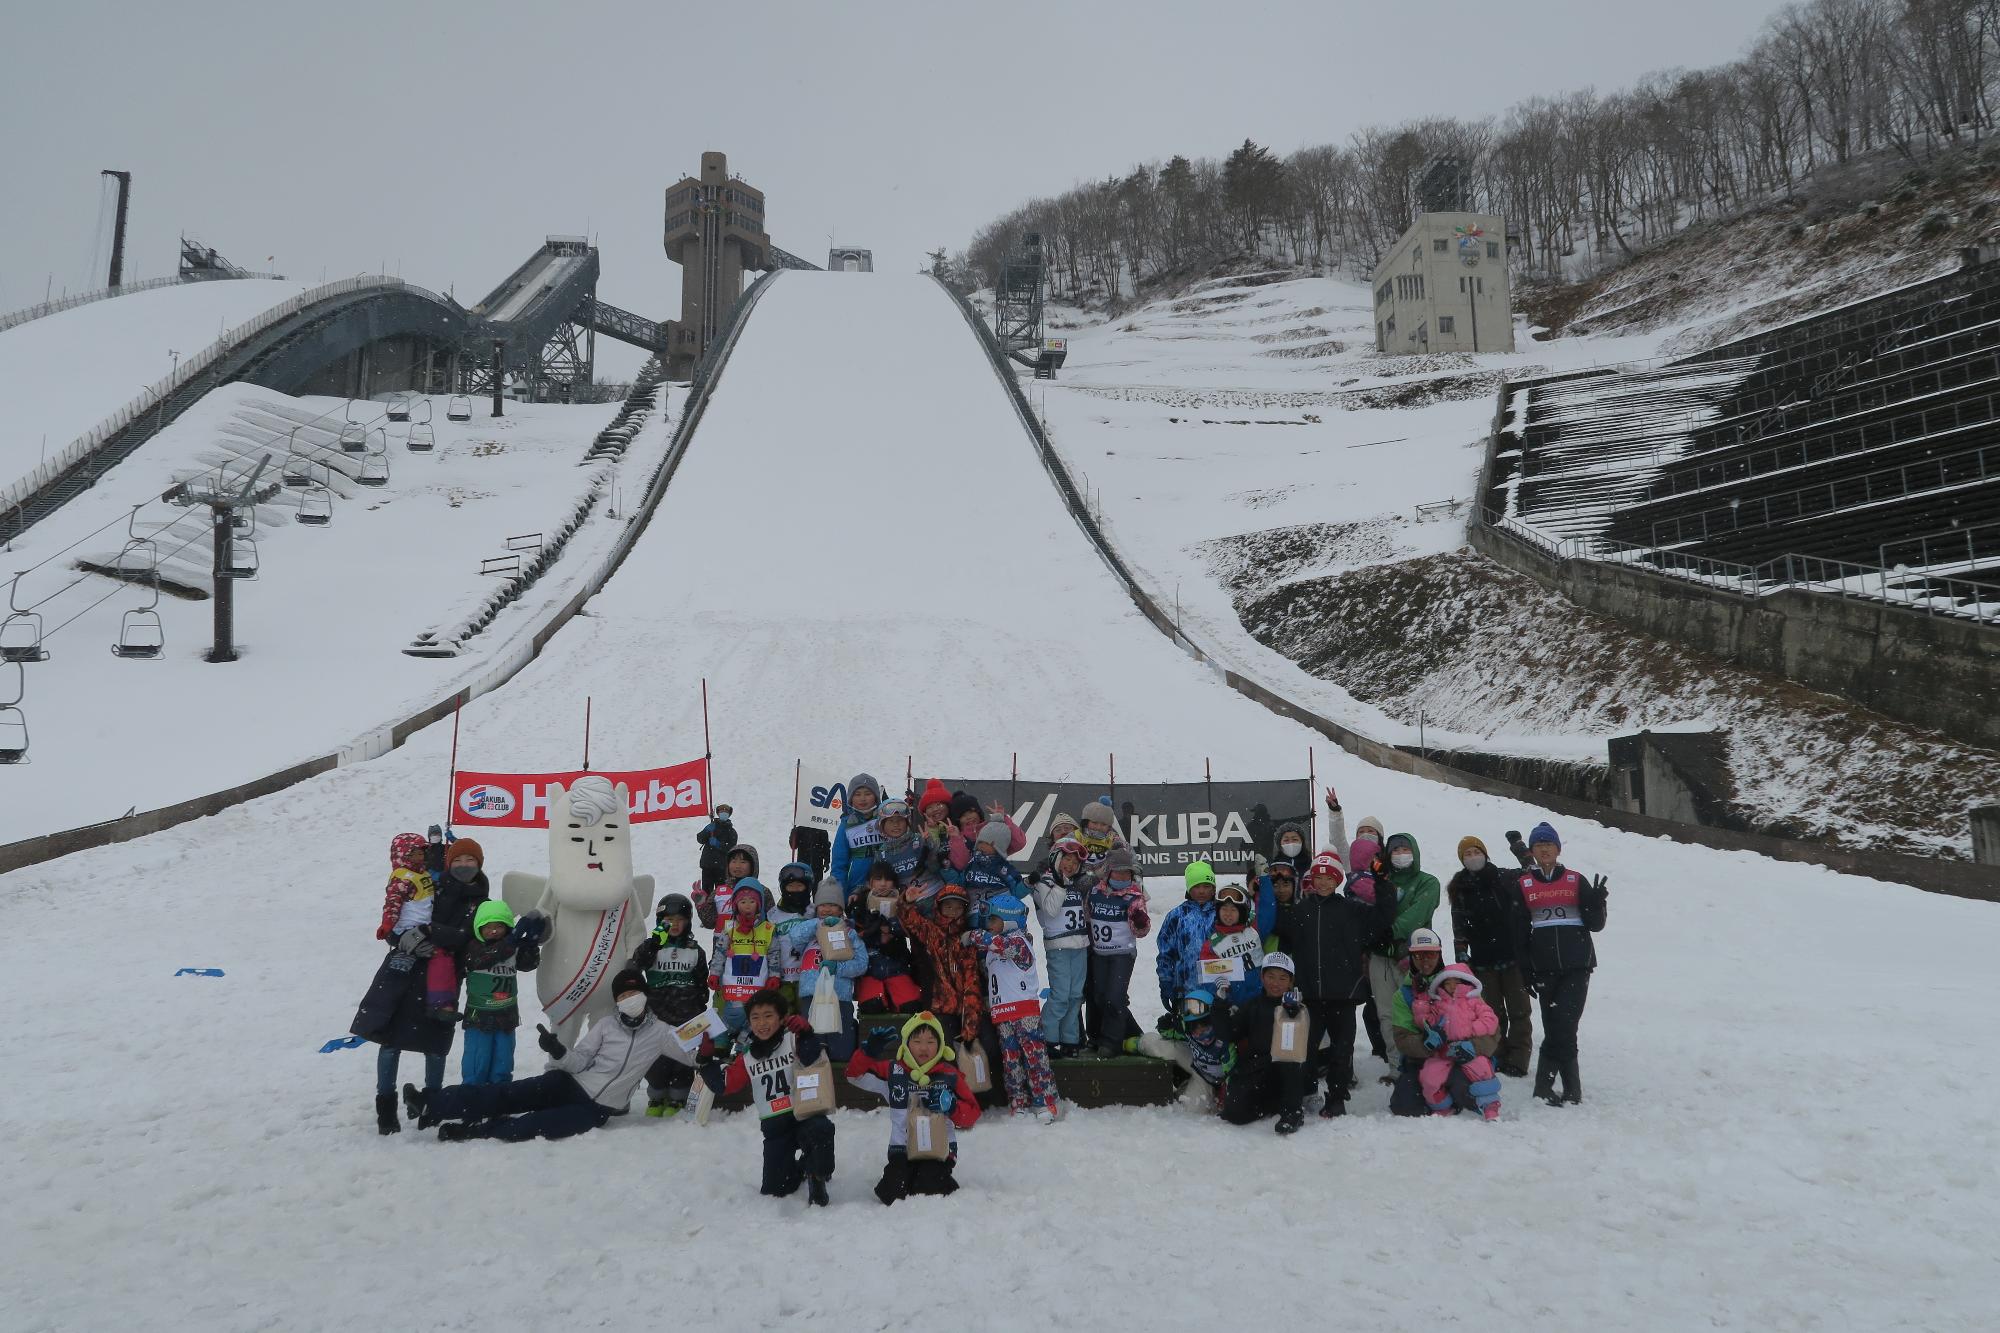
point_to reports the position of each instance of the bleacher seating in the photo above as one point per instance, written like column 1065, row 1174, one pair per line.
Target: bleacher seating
column 1838, row 438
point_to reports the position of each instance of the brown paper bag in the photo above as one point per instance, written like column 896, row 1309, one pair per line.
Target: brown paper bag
column 1288, row 1037
column 812, row 1089
column 972, row 1065
column 929, row 1136
column 889, row 906
column 836, row 942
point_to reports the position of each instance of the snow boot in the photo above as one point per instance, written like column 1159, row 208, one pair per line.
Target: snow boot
column 1545, row 1079
column 816, row 1192
column 385, row 1114
column 454, row 1132
column 1572, row 1082
column 656, row 1108
column 1290, row 1122
column 1106, row 1047
column 413, row 1106
column 1333, row 1106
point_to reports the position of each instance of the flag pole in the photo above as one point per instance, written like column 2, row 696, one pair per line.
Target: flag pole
column 451, row 783
column 1312, row 800
column 707, row 748
column 586, row 733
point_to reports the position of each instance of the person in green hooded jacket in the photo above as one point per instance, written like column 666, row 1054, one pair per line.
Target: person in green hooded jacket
column 500, row 950
column 1414, row 895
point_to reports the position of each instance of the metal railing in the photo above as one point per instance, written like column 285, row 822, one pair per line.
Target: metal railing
column 189, row 368
column 1972, row 544
column 63, row 303
column 1915, row 589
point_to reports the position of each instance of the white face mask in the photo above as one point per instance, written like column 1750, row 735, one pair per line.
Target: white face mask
column 1475, row 862
column 632, row 1005
column 1290, row 848
column 1401, row 860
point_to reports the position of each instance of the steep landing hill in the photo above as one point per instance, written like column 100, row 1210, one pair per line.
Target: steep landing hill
column 1291, row 492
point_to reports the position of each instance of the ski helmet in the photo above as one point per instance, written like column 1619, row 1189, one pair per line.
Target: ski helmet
column 1009, row 909
column 674, row 904
column 794, row 872
column 893, row 810
column 1196, row 1004
column 1233, row 895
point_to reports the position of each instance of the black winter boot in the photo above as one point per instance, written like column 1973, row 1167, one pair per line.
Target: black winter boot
column 385, row 1114
column 413, row 1106
column 1572, row 1082
column 455, row 1132
column 1545, row 1079
column 816, row 1192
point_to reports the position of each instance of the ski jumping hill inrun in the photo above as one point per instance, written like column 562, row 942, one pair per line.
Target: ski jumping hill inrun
column 1786, row 1119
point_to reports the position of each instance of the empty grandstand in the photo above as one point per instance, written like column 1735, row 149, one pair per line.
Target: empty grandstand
column 1857, row 452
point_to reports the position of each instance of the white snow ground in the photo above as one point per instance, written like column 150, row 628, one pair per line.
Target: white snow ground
column 1786, row 1125
column 64, row 373
column 322, row 628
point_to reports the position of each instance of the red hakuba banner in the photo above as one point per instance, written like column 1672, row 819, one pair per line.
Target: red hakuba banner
column 521, row 800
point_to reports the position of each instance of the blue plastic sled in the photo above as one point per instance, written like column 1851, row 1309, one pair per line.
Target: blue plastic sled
column 343, row 1044
column 199, row 972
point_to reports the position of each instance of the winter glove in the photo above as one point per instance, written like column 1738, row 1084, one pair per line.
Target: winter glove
column 715, row 983
column 550, row 1042
column 532, row 928
column 1462, row 1052
column 1433, row 1038
column 880, row 1041
column 798, row 1025
column 938, row 1097
column 1332, row 800
column 1293, row 1003
column 710, row 1072
column 416, row 940
column 705, row 1051
column 646, row 954
column 1166, row 1021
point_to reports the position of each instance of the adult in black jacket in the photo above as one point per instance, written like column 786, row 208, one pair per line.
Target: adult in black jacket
column 1328, row 935
column 1556, row 911
column 459, row 870
column 716, row 840
column 1482, row 930
column 1258, row 1085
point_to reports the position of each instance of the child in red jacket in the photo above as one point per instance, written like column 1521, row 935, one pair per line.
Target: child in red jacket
column 921, row 1073
column 957, row 989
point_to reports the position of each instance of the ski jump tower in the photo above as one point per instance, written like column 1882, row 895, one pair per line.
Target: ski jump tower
column 714, row 231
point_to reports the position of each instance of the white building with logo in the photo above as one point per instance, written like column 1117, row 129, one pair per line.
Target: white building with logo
column 1443, row 287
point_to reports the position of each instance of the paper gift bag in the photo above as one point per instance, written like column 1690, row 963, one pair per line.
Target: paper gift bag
column 824, row 1013
column 1288, row 1037
column 812, row 1089
column 836, row 941
column 972, row 1065
column 929, row 1136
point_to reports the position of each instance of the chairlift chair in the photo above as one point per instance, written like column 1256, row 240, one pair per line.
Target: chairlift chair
column 141, row 634
column 353, row 435
column 459, row 408
column 21, row 631
column 14, row 723
column 374, row 470
column 316, row 507
column 420, row 411
column 421, row 439
column 298, row 468
column 242, row 559
column 399, row 408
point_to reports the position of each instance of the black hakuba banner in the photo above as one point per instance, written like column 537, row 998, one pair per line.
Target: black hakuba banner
column 1166, row 824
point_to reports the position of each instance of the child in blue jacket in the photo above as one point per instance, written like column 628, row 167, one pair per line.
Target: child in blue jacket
column 829, row 903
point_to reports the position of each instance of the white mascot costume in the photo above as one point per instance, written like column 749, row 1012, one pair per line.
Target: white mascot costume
column 598, row 911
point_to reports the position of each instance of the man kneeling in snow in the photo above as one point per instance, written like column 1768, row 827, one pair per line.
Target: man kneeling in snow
column 585, row 1085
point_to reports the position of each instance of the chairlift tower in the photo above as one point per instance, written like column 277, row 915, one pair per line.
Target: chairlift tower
column 225, row 502
column 1017, row 311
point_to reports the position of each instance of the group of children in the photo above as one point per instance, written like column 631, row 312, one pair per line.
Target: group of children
column 926, row 912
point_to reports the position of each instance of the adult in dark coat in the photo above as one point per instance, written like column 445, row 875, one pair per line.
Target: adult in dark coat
column 394, row 1012
column 1483, row 906
column 1328, row 935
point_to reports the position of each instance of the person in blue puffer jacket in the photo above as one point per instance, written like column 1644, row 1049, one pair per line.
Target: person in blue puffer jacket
column 830, row 905
column 1182, row 934
column 989, row 873
column 856, row 840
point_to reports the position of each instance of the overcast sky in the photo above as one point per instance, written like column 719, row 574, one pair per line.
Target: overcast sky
column 444, row 140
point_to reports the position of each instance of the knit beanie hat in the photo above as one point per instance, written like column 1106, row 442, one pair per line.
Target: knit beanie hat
column 1544, row 832
column 997, row 833
column 963, row 803
column 934, row 794
column 627, row 981
column 1198, row 873
column 1117, row 859
column 1099, row 811
column 1060, row 824
column 1368, row 822
column 465, row 847
column 493, row 909
column 831, row 891
column 1471, row 844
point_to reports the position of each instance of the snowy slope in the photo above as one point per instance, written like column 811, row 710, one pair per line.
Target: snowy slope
column 868, row 562
column 61, row 375
column 1265, row 467
column 322, row 628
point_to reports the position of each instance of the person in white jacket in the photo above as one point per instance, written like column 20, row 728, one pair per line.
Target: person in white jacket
column 584, row 1086
column 1060, row 893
